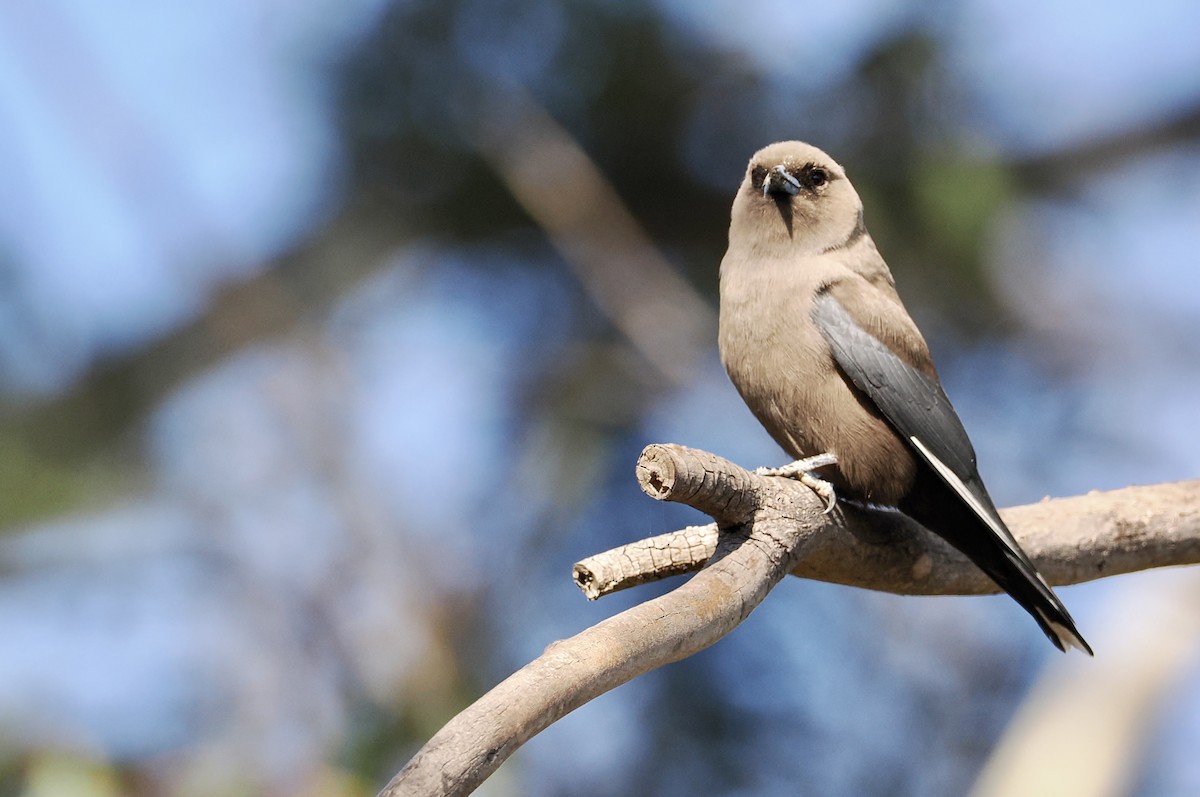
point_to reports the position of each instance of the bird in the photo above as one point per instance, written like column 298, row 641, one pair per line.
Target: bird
column 815, row 338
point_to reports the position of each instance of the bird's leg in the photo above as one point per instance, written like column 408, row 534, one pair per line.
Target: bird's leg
column 802, row 471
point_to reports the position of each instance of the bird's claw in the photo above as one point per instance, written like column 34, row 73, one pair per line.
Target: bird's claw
column 801, row 470
column 822, row 488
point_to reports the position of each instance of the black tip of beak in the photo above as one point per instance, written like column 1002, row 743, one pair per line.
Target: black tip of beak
column 778, row 182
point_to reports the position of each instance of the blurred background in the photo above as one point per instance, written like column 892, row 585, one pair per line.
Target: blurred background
column 330, row 333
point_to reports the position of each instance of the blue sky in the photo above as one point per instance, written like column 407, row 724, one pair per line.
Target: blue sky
column 152, row 154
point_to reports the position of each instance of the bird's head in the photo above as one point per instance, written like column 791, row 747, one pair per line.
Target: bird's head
column 796, row 196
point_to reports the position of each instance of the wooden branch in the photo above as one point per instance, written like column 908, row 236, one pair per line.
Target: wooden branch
column 765, row 528
column 1071, row 540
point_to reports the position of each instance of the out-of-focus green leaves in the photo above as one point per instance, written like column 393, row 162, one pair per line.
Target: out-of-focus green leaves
column 54, row 774
column 35, row 485
column 962, row 197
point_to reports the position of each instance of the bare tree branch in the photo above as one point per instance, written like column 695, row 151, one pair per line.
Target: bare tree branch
column 769, row 527
column 1071, row 540
column 600, row 240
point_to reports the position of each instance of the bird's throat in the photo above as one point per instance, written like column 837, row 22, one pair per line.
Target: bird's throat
column 783, row 203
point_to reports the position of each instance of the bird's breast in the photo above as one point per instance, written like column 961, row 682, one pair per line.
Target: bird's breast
column 785, row 372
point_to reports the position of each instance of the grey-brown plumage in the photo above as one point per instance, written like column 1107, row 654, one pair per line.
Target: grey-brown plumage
column 818, row 343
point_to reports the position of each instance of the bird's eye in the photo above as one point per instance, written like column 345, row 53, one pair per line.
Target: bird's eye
column 817, row 177
column 757, row 175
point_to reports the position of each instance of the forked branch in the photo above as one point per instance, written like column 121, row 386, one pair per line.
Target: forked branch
column 765, row 528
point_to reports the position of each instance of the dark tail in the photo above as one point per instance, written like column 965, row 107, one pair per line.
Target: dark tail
column 938, row 508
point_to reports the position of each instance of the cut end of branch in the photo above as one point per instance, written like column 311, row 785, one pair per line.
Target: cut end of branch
column 656, row 471
column 587, row 582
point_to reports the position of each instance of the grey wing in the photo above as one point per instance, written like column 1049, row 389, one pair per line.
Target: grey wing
column 916, row 407
column 913, row 403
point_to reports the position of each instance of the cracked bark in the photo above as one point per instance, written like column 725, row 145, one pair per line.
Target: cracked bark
column 765, row 528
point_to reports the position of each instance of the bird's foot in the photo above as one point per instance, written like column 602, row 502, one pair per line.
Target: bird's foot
column 802, row 471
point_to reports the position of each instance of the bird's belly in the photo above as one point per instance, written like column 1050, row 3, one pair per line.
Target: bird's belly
column 874, row 463
column 798, row 394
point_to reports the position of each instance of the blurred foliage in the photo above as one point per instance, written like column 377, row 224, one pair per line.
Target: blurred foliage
column 409, row 96
column 36, row 487
column 669, row 120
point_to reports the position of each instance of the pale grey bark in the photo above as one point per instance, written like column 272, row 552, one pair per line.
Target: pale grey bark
column 1071, row 540
column 770, row 527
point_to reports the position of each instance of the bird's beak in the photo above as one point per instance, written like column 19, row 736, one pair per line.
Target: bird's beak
column 778, row 181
